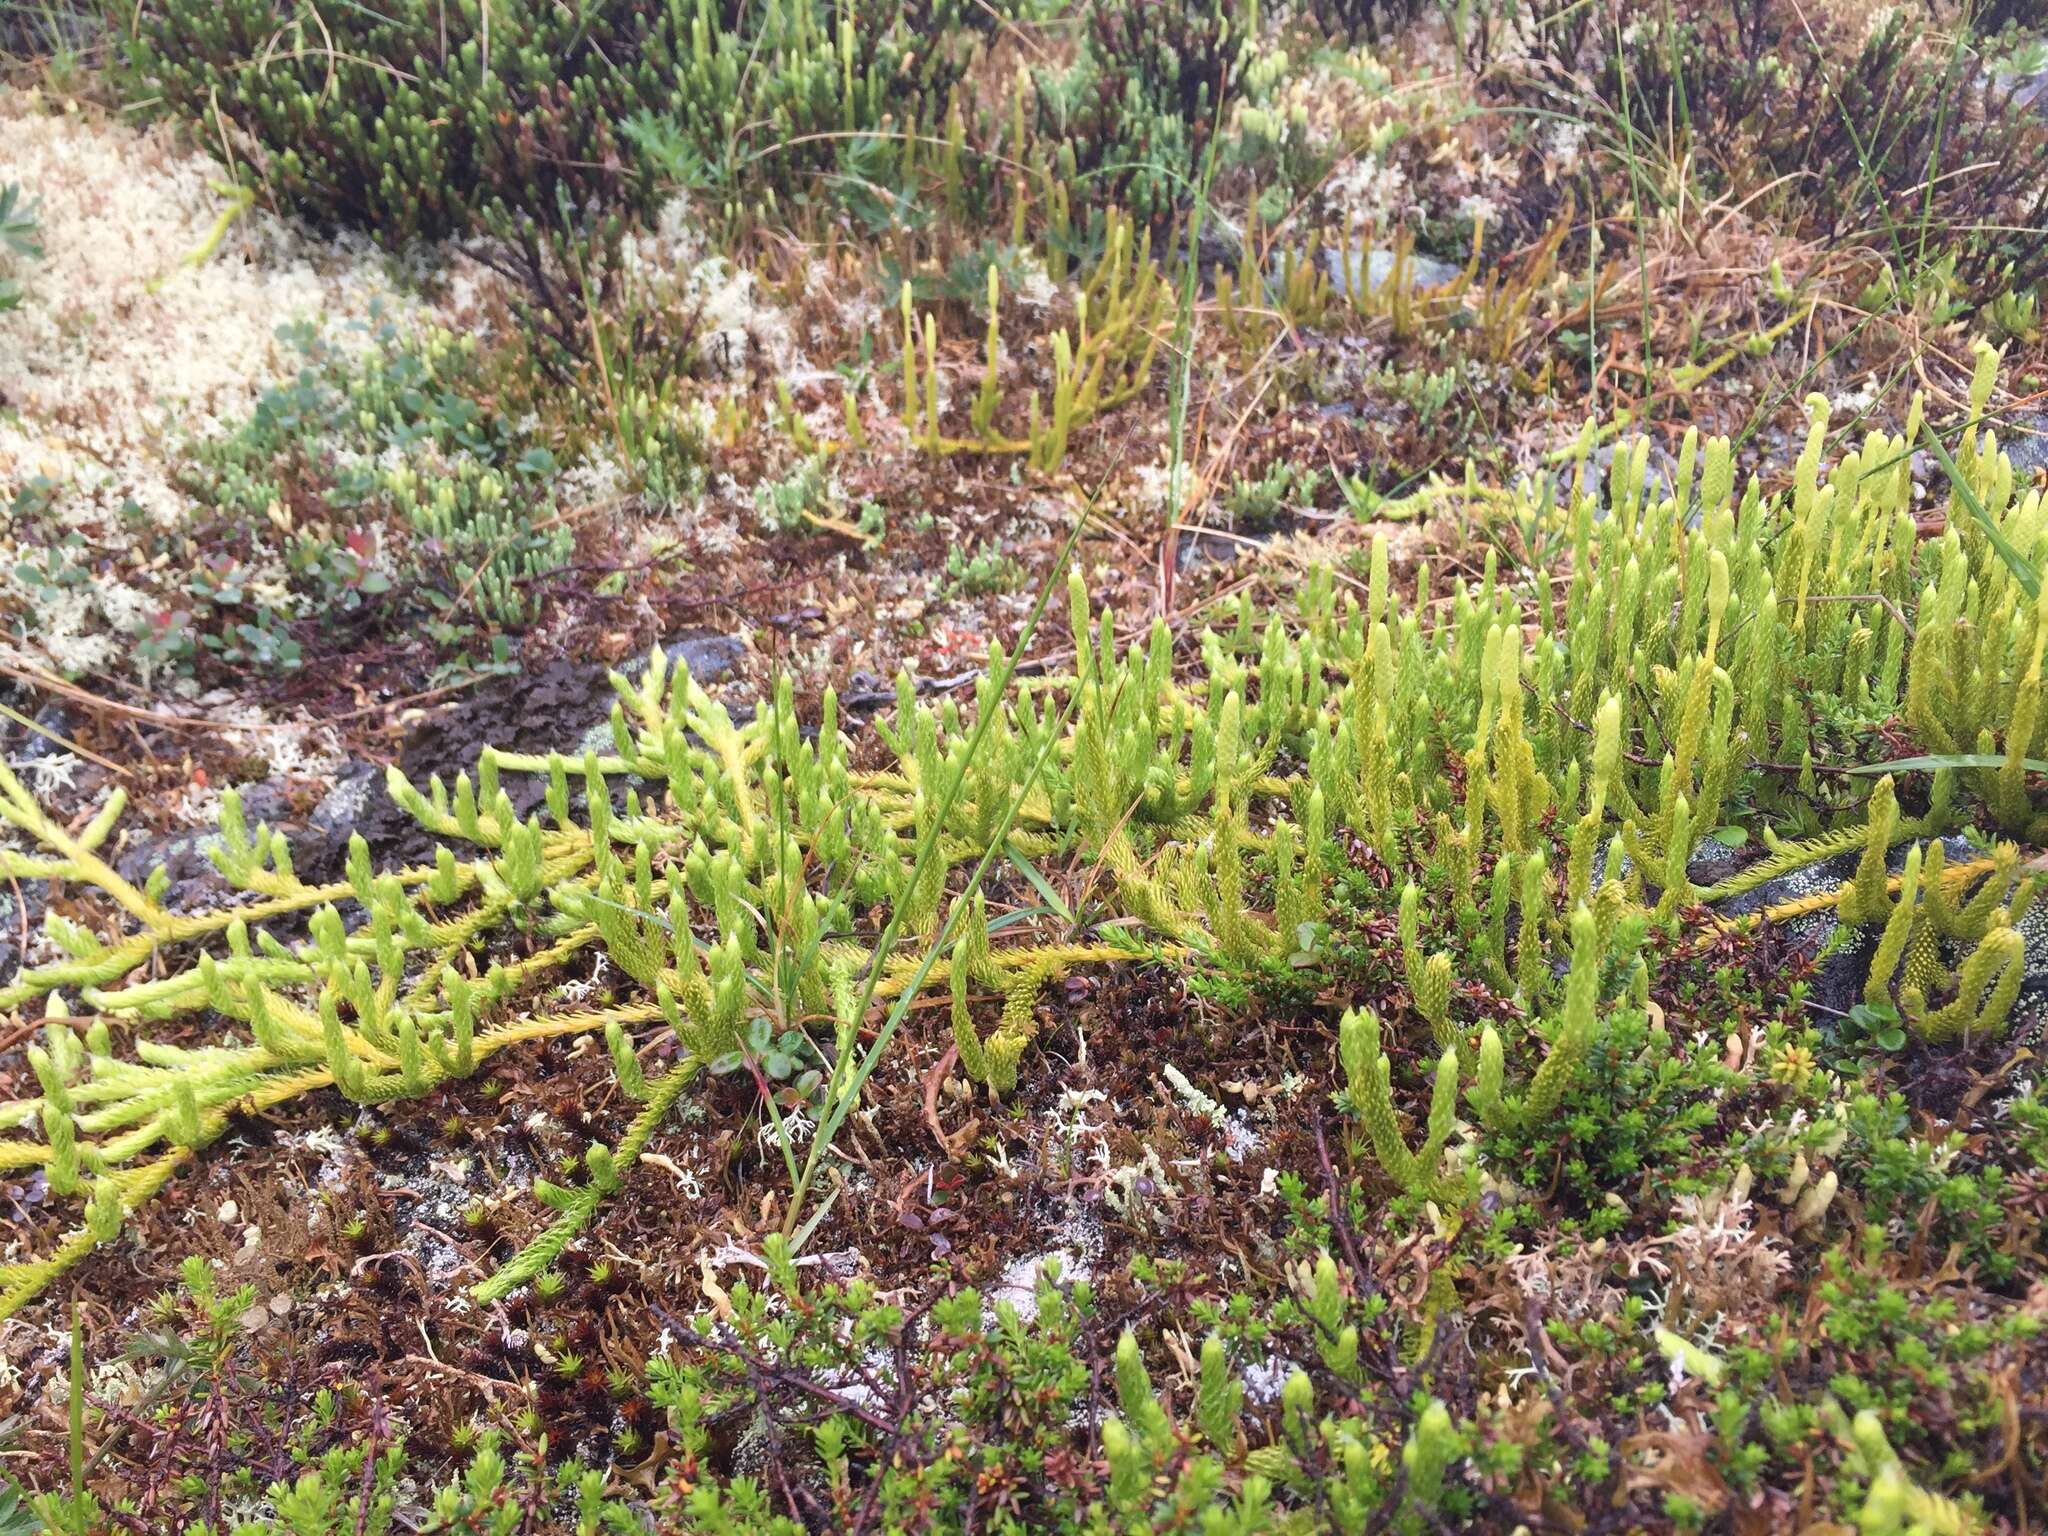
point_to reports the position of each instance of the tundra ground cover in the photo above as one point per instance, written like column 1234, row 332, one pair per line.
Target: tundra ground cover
column 1160, row 768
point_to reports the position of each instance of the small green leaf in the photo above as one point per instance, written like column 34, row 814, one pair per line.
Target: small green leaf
column 1038, row 881
column 16, row 1518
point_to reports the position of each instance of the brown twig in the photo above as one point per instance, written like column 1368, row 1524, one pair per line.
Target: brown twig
column 1338, row 1224
column 1867, row 597
column 35, row 678
column 932, row 1080
column 63, row 741
column 406, row 701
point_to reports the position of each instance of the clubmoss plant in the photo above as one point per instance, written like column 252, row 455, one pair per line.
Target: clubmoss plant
column 1105, row 360
column 719, row 867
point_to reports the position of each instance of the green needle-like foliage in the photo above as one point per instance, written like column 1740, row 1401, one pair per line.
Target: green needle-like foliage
column 1894, row 1504
column 1150, row 88
column 1473, row 742
column 1369, row 1075
column 1429, row 978
column 1219, row 1397
column 1576, row 1032
column 412, row 118
column 1123, row 309
column 1986, row 985
column 1922, row 921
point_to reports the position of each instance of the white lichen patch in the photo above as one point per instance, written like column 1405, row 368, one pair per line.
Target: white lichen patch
column 739, row 329
column 1075, row 1247
column 133, row 337
column 122, row 342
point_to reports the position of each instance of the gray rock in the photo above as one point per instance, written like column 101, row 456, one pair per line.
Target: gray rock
column 185, row 857
column 708, row 656
column 1660, row 473
column 2024, row 437
column 1714, row 861
column 1423, row 271
column 17, row 919
column 338, row 812
column 194, row 883
column 356, row 803
column 1839, row 985
column 57, row 721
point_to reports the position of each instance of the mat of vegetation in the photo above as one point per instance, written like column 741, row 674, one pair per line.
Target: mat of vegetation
column 1152, row 766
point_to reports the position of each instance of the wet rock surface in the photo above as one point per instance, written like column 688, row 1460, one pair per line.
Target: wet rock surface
column 711, row 657
column 1837, row 986
column 1377, row 264
column 563, row 707
column 21, row 915
column 185, row 857
column 2024, row 435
